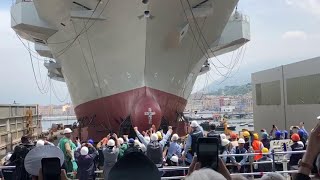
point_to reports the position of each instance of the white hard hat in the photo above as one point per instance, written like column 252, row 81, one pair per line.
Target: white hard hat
column 120, row 140
column 175, row 137
column 111, row 143
column 147, row 139
column 224, row 142
column 40, row 143
column 223, row 136
column 67, row 131
column 194, row 124
column 174, row 159
column 241, row 141
column 154, row 137
column 84, row 151
column 136, row 142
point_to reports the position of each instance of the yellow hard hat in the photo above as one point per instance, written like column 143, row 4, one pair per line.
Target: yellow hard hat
column 255, row 136
column 265, row 150
column 246, row 134
column 159, row 135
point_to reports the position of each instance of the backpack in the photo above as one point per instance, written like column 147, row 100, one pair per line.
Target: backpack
column 20, row 171
column 154, row 152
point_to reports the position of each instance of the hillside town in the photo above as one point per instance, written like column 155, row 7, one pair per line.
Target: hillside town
column 57, row 110
column 230, row 99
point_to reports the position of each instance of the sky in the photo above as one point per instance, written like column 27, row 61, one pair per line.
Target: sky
column 282, row 32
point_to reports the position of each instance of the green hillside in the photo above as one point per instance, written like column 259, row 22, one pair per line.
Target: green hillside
column 233, row 90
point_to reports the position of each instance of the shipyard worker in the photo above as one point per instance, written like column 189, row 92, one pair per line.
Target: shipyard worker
column 174, row 148
column 285, row 134
column 274, row 129
column 302, row 136
column 234, row 139
column 154, row 150
column 155, row 147
column 191, row 143
column 131, row 147
column 68, row 148
column 212, row 132
column 110, row 153
column 123, row 147
column 134, row 166
column 296, row 146
column 246, row 137
column 43, row 143
column 305, row 132
column 277, row 135
column 257, row 146
column 265, row 167
column 239, row 161
column 17, row 158
column 226, row 148
column 265, row 140
column 85, row 160
column 174, row 161
column 146, row 140
column 90, row 141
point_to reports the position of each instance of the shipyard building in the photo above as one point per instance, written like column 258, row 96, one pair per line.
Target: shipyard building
column 287, row 95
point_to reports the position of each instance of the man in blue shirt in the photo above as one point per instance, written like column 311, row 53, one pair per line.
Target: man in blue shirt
column 174, row 148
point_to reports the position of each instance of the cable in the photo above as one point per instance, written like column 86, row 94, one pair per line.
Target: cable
column 192, row 32
column 85, row 60
column 29, row 50
column 200, row 32
column 57, row 97
column 42, row 90
column 204, row 39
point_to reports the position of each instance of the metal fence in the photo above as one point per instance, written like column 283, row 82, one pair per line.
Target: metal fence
column 286, row 173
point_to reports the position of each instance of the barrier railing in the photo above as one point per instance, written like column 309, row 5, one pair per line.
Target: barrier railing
column 284, row 162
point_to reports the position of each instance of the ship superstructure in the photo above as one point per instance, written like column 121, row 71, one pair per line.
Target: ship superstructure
column 129, row 62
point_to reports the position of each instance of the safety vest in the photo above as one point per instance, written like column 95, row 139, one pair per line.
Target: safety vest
column 294, row 158
column 256, row 145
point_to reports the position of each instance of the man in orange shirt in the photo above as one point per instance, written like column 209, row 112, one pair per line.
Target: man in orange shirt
column 257, row 146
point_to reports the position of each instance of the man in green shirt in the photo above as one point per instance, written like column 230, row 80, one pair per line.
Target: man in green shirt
column 68, row 148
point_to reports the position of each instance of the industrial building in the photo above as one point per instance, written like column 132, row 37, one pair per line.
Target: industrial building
column 287, row 95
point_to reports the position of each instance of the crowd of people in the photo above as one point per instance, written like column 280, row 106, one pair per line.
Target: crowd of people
column 83, row 159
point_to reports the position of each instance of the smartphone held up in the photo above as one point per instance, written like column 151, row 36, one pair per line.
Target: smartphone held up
column 208, row 152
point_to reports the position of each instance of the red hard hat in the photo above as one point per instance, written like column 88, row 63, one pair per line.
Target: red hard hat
column 295, row 137
column 234, row 136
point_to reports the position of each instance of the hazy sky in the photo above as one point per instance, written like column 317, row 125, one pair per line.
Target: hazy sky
column 282, row 31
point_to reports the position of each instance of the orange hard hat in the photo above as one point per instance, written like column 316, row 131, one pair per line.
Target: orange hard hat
column 234, row 136
column 295, row 137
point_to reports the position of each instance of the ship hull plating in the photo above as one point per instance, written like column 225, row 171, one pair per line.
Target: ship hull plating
column 120, row 112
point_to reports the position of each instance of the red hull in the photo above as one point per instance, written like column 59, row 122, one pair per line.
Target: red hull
column 100, row 116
